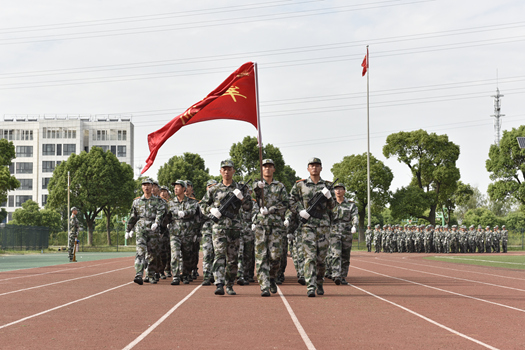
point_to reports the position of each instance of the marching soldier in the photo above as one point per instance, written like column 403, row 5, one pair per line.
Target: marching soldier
column 504, row 238
column 377, row 239
column 368, row 238
column 73, row 232
column 207, row 243
column 316, row 223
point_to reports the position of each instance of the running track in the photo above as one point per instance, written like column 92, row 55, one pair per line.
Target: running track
column 394, row 301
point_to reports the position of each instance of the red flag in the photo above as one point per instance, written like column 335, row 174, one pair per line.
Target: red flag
column 365, row 63
column 233, row 99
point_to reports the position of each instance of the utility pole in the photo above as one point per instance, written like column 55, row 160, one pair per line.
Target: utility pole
column 497, row 115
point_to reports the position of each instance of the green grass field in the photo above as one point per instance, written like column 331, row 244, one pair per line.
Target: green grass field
column 503, row 261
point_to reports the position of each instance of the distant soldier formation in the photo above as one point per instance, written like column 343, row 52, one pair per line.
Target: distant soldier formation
column 438, row 239
column 245, row 231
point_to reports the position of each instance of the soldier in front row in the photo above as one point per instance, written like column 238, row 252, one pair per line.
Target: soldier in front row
column 73, row 232
column 316, row 223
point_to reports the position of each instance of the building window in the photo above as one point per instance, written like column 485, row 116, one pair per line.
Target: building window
column 24, row 151
column 122, row 135
column 45, row 182
column 24, row 168
column 104, row 148
column 26, row 184
column 44, row 199
column 11, row 201
column 48, row 166
column 59, row 149
column 21, row 200
column 100, row 135
column 12, row 168
column 69, row 148
column 121, row 151
column 48, row 149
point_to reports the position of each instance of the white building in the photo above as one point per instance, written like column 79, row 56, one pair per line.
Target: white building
column 42, row 142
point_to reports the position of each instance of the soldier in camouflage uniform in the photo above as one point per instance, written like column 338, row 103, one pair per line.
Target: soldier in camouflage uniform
column 471, row 239
column 293, row 224
column 315, row 231
column 227, row 228
column 368, row 238
column 377, row 239
column 182, row 212
column 165, row 251
column 480, row 236
column 488, row 240
column 73, row 232
column 207, row 243
column 196, row 232
column 272, row 200
column 463, row 239
column 496, row 237
column 504, row 238
column 147, row 213
column 344, row 217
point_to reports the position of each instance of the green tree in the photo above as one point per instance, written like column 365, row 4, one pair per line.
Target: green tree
column 31, row 215
column 515, row 220
column 483, row 217
column 506, row 166
column 189, row 166
column 245, row 156
column 352, row 171
column 7, row 181
column 97, row 179
column 461, row 196
column 432, row 160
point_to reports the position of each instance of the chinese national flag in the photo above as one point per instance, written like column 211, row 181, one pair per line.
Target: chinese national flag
column 365, row 63
column 233, row 99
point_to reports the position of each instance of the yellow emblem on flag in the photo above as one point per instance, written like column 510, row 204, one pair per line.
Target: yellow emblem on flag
column 233, row 91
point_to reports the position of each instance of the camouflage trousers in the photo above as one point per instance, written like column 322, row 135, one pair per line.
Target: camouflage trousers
column 186, row 248
column 249, row 253
column 267, row 253
column 148, row 253
column 298, row 254
column 71, row 239
column 207, row 255
column 377, row 244
column 315, row 248
column 340, row 248
column 165, row 253
column 240, row 257
column 284, row 255
column 175, row 245
column 195, row 251
column 226, row 249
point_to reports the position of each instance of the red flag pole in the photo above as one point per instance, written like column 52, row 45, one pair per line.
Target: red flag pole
column 259, row 134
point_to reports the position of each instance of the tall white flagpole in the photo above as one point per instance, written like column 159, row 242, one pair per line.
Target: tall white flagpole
column 259, row 133
column 368, row 130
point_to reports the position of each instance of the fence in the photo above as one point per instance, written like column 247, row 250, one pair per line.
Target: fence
column 15, row 237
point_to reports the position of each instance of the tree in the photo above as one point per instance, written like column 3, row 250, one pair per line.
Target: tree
column 506, row 165
column 460, row 197
column 98, row 180
column 515, row 220
column 483, row 217
column 352, row 171
column 189, row 166
column 31, row 215
column 245, row 156
column 432, row 160
column 7, row 181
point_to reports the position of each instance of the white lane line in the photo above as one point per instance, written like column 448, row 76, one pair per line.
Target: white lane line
column 491, row 261
column 156, row 324
column 442, row 290
column 69, row 280
column 427, row 319
column 451, row 277
column 64, row 305
column 451, row 269
column 300, row 328
column 49, row 272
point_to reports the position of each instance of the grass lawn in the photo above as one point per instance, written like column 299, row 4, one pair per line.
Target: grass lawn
column 505, row 261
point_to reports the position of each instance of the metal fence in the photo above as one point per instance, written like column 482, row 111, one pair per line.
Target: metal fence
column 14, row 237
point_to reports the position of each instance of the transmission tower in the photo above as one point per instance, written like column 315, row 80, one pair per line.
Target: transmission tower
column 497, row 115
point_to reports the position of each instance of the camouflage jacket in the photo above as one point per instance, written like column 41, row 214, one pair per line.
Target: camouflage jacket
column 275, row 200
column 344, row 212
column 215, row 194
column 301, row 194
column 74, row 225
column 185, row 225
column 145, row 212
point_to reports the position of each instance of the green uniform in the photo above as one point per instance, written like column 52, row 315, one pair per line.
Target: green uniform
column 73, row 234
column 341, row 236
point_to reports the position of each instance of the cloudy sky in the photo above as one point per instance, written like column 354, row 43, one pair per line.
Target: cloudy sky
column 434, row 66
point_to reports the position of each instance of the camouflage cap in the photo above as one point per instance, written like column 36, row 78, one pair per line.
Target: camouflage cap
column 454, row 226
column 74, row 208
column 471, row 226
column 179, row 182
column 164, row 188
column 268, row 161
column 147, row 180
column 155, row 182
column 340, row 184
column 503, row 226
column 378, row 226
column 189, row 183
column 211, row 182
column 227, row 163
column 314, row 160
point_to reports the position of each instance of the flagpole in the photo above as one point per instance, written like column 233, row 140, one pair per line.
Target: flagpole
column 368, row 131
column 259, row 134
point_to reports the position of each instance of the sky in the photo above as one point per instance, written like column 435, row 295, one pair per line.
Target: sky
column 434, row 65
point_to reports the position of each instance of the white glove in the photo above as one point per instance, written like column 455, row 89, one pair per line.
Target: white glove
column 154, row 226
column 326, row 193
column 238, row 194
column 272, row 210
column 126, row 235
column 304, row 214
column 286, row 223
column 290, row 237
column 215, row 212
column 264, row 211
column 181, row 214
column 129, row 234
column 253, row 227
column 260, row 184
column 354, row 220
column 353, row 229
